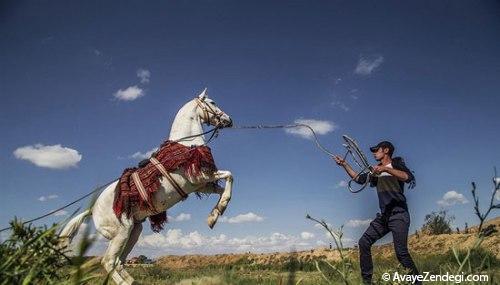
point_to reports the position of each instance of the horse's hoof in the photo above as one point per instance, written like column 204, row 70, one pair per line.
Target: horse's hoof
column 211, row 220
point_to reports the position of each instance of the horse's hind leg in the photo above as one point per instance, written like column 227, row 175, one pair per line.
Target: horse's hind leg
column 134, row 236
column 111, row 259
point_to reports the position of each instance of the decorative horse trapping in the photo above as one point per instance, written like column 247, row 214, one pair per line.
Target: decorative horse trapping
column 137, row 185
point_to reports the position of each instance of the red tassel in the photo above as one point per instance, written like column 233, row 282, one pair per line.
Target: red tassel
column 157, row 221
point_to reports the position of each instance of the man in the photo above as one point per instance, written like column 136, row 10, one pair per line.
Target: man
column 390, row 176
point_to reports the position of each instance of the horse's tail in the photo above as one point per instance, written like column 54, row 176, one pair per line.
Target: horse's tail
column 71, row 228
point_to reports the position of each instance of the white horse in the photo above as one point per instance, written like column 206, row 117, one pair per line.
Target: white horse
column 124, row 234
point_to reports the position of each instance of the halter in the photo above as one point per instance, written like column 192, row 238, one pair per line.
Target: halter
column 360, row 159
column 207, row 110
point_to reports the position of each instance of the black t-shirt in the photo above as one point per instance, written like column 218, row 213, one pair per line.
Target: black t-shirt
column 390, row 190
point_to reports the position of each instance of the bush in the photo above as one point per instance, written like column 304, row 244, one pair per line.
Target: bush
column 34, row 255
column 31, row 255
column 437, row 223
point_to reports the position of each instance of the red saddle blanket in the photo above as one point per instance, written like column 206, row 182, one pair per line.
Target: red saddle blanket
column 172, row 155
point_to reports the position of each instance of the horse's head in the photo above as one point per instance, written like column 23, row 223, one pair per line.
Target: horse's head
column 210, row 113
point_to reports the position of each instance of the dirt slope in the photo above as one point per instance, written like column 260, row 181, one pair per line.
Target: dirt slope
column 422, row 244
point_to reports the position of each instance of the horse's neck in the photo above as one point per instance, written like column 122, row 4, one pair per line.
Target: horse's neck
column 187, row 123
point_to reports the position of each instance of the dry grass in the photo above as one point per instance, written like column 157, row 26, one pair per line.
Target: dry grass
column 421, row 245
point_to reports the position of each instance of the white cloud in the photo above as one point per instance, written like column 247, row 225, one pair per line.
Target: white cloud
column 357, row 223
column 306, row 235
column 141, row 155
column 144, row 75
column 49, row 197
column 129, row 94
column 347, row 241
column 242, row 218
column 172, row 238
column 340, row 105
column 451, row 198
column 97, row 52
column 175, row 241
column 341, row 184
column 60, row 213
column 50, row 156
column 180, row 218
column 321, row 243
column 353, row 95
column 366, row 65
column 319, row 126
column 320, row 227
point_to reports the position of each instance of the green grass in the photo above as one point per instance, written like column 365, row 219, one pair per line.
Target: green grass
column 305, row 272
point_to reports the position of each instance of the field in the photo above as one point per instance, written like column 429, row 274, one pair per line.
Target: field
column 431, row 253
column 32, row 256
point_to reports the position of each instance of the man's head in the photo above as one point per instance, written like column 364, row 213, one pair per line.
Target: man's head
column 382, row 149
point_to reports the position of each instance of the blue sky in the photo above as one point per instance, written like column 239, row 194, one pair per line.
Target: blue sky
column 423, row 75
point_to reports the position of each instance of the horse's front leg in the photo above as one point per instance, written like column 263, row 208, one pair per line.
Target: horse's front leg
column 224, row 198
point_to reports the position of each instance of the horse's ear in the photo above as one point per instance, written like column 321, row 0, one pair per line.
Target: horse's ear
column 203, row 95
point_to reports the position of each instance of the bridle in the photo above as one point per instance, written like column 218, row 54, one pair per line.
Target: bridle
column 360, row 159
column 208, row 110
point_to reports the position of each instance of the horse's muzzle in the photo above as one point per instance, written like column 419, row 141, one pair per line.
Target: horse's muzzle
column 226, row 122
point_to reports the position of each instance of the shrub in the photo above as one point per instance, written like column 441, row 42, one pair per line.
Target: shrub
column 437, row 223
column 34, row 255
column 31, row 255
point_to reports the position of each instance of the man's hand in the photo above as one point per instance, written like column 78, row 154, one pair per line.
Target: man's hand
column 339, row 160
column 377, row 169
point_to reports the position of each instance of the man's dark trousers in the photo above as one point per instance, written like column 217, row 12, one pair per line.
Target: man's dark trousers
column 396, row 221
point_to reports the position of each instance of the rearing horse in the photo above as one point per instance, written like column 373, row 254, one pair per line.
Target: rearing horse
column 123, row 233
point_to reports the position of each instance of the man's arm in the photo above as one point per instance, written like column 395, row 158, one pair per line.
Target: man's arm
column 400, row 175
column 340, row 161
column 398, row 163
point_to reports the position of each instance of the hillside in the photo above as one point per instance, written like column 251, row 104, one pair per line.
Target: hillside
column 421, row 245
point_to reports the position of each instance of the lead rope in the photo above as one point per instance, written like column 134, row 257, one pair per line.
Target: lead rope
column 316, row 140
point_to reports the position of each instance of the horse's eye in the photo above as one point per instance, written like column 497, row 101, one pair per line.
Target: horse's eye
column 213, row 103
